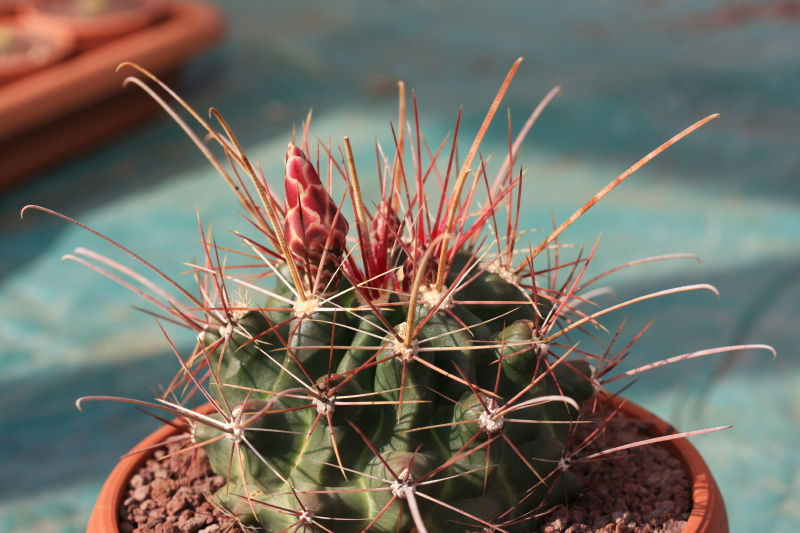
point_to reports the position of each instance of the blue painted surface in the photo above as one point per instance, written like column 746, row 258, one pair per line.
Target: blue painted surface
column 634, row 74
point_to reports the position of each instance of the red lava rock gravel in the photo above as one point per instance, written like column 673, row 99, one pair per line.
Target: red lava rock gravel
column 642, row 490
column 169, row 496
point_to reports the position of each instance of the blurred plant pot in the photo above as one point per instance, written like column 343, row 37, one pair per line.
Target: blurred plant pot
column 77, row 104
column 8, row 7
column 708, row 509
column 29, row 45
column 96, row 21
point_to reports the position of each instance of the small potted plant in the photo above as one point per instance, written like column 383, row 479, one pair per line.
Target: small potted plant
column 96, row 21
column 28, row 45
column 408, row 366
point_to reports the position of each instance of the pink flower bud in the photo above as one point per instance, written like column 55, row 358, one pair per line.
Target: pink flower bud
column 312, row 223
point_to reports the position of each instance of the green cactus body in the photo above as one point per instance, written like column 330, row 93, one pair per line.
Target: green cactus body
column 427, row 401
column 476, row 468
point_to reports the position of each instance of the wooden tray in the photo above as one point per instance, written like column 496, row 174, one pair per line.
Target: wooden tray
column 64, row 110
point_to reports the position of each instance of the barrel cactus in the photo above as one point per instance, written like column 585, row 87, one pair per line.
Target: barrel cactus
column 358, row 398
column 405, row 367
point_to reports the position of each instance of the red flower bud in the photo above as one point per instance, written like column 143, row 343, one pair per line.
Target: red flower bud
column 385, row 226
column 312, row 223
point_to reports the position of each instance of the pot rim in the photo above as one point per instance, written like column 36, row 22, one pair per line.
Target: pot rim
column 708, row 509
column 104, row 26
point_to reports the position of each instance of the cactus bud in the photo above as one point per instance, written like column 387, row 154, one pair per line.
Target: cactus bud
column 384, row 226
column 311, row 216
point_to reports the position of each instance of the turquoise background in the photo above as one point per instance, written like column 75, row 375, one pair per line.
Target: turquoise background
column 633, row 73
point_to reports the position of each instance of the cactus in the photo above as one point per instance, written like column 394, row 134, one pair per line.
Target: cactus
column 418, row 377
column 384, row 399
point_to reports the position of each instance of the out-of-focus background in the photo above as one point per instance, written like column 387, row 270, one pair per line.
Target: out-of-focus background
column 633, row 73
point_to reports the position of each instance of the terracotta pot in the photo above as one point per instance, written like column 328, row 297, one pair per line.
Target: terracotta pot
column 708, row 510
column 44, row 43
column 96, row 28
